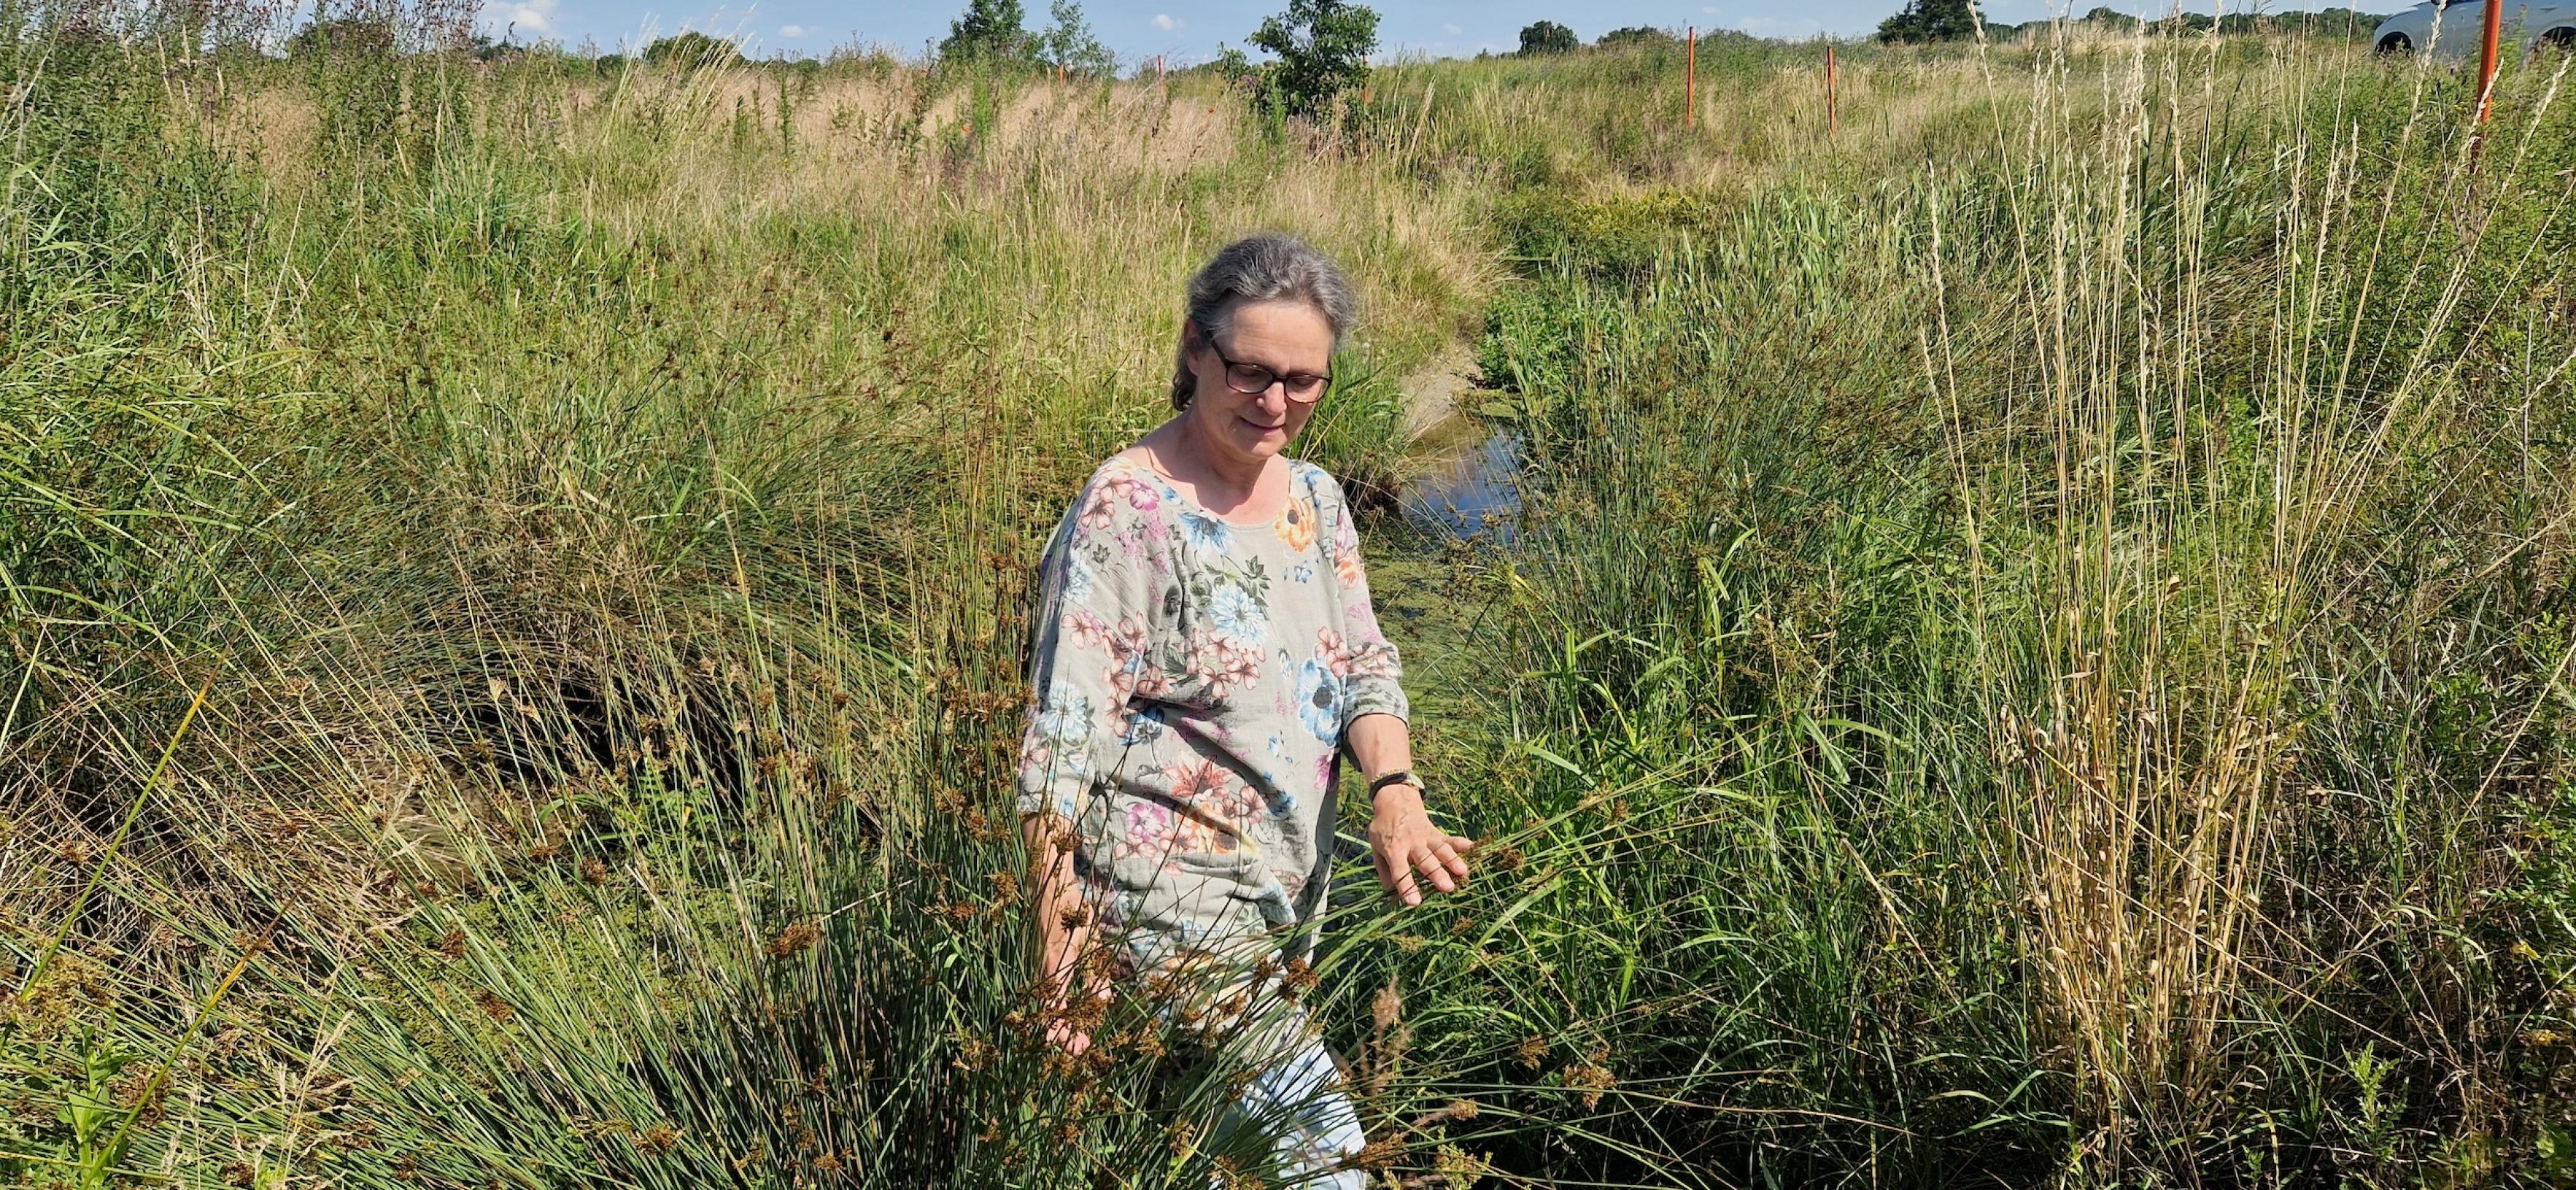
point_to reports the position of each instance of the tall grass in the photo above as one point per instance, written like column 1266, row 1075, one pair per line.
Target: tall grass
column 2037, row 648
column 2047, row 529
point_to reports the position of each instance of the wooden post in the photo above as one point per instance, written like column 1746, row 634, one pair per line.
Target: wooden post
column 1833, row 120
column 2487, row 60
column 1690, row 82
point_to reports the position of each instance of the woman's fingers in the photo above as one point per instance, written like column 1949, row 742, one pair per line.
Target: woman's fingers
column 1396, row 876
column 1439, row 859
column 1450, row 861
column 1433, row 863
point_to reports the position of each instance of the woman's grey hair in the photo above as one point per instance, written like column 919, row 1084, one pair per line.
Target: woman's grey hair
column 1268, row 267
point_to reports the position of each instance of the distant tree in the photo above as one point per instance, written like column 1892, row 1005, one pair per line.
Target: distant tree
column 989, row 30
column 1069, row 42
column 2187, row 22
column 1930, row 20
column 691, row 50
column 2335, row 22
column 2111, row 17
column 1548, row 37
column 1633, row 35
column 1323, row 48
column 345, row 35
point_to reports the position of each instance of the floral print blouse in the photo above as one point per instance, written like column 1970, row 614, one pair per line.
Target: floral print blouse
column 1192, row 680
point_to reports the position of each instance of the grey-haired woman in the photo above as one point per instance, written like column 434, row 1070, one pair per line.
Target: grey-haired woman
column 1205, row 655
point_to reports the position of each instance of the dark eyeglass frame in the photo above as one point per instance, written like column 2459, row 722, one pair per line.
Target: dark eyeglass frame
column 1238, row 374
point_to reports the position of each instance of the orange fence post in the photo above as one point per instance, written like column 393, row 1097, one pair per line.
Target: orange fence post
column 1833, row 119
column 1690, row 82
column 2487, row 59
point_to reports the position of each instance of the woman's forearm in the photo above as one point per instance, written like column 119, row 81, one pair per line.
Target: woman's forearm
column 1403, row 841
column 1064, row 925
column 1380, row 745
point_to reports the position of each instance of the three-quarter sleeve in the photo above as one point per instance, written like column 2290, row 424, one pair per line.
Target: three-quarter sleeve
column 1090, row 641
column 1373, row 676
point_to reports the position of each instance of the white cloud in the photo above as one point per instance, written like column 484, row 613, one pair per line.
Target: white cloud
column 1165, row 22
column 791, row 30
column 1451, row 30
column 526, row 18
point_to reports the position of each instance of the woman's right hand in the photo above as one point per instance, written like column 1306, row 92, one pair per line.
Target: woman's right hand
column 1062, row 1035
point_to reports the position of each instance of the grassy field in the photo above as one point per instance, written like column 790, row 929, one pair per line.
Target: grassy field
column 2036, row 649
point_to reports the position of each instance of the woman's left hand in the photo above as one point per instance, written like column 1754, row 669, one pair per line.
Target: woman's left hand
column 1403, row 842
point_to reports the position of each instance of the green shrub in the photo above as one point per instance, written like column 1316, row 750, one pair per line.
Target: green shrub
column 1322, row 48
column 692, row 50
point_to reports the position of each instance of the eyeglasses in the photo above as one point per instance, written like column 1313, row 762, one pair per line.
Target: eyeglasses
column 1253, row 380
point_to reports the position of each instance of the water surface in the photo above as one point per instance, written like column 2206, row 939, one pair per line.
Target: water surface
column 1476, row 494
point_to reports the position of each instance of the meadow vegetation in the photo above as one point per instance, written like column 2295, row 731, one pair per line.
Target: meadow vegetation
column 2035, row 647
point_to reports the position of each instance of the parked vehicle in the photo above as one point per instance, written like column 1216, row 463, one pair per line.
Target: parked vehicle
column 2455, row 28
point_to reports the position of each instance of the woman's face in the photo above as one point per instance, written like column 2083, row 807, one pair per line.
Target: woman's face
column 1286, row 338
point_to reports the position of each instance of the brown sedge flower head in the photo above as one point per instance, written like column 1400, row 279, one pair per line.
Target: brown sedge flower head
column 795, row 940
column 1591, row 1077
column 1227, row 1175
column 493, row 1005
column 1455, row 1109
column 1297, row 978
column 1532, row 1052
column 1085, row 1012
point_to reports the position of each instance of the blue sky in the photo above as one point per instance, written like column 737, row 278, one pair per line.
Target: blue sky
column 1191, row 30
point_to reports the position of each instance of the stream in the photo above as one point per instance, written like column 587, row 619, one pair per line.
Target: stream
column 1474, row 495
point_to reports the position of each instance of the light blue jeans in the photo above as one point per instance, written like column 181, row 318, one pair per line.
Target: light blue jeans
column 1318, row 1129
column 1296, row 1096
